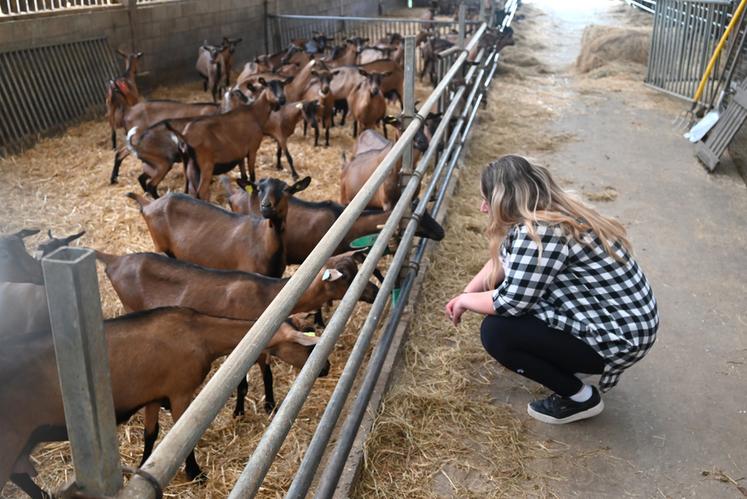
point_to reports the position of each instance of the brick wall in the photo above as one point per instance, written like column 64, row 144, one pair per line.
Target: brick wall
column 170, row 32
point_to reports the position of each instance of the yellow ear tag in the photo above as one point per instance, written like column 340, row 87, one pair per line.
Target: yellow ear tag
column 310, row 334
column 249, row 188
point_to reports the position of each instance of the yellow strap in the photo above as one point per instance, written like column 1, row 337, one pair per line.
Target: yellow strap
column 717, row 51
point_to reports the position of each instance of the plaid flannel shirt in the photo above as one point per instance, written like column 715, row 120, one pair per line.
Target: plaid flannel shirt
column 581, row 290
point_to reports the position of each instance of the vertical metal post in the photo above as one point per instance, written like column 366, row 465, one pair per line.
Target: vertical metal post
column 83, row 368
column 265, row 14
column 409, row 106
column 462, row 15
column 483, row 12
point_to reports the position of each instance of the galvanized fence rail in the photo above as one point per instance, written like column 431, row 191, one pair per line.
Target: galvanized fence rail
column 684, row 37
column 170, row 453
column 43, row 89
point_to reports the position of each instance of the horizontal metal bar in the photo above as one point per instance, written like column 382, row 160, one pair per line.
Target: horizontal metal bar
column 368, row 19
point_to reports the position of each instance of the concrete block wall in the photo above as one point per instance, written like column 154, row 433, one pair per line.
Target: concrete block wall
column 169, row 32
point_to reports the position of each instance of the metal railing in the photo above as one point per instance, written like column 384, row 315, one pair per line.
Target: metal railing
column 76, row 71
column 684, row 37
column 24, row 7
column 647, row 5
column 171, row 452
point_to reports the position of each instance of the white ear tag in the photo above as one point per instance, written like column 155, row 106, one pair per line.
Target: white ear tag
column 326, row 275
column 331, row 275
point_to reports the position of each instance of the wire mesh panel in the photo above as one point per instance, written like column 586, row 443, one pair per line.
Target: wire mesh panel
column 20, row 7
column 647, row 5
column 684, row 37
column 45, row 88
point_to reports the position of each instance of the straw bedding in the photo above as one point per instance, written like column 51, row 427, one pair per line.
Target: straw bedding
column 62, row 184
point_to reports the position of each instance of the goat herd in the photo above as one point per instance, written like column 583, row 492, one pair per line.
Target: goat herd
column 216, row 270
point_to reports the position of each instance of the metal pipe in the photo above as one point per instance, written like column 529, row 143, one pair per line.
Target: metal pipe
column 315, row 450
column 349, row 431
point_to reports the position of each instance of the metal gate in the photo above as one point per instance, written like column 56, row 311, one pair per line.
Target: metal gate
column 684, row 36
column 43, row 89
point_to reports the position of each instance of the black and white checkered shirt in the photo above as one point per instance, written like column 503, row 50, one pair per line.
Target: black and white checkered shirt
column 581, row 290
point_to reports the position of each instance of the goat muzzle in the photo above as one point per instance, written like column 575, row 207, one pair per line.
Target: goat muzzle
column 369, row 293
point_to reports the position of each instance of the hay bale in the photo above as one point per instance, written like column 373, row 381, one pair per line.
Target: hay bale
column 605, row 45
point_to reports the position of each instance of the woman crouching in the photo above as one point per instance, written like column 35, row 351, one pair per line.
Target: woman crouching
column 561, row 293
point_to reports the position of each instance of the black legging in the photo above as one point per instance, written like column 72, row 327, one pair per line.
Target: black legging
column 529, row 347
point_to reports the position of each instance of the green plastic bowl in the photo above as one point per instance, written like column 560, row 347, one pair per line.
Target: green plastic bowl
column 363, row 242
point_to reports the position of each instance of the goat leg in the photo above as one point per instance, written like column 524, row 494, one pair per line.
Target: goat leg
column 119, row 156
column 383, row 126
column 326, row 134
column 241, row 390
column 316, row 134
column 178, row 406
column 355, row 128
column 305, row 126
column 143, row 180
column 150, row 429
column 26, row 484
column 114, row 138
column 319, row 318
column 269, row 392
column 294, row 173
column 279, row 154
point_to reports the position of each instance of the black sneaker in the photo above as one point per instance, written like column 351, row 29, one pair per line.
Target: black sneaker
column 560, row 410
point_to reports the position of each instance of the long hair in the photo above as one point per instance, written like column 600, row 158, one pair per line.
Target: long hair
column 521, row 193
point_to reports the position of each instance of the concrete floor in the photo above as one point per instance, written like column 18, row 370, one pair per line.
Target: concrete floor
column 676, row 425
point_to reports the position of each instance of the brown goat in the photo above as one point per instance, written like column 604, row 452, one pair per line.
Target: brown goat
column 199, row 232
column 156, row 358
column 370, row 149
column 122, row 92
column 367, row 103
column 320, row 103
column 216, row 144
column 392, row 86
column 144, row 115
column 317, row 217
column 148, row 280
column 210, row 66
column 16, row 264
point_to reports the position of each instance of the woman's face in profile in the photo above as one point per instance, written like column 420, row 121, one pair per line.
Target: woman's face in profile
column 484, row 205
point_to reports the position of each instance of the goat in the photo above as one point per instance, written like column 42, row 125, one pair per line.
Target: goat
column 210, row 65
column 141, row 117
column 216, row 144
column 367, row 103
column 16, row 265
column 346, row 55
column 378, row 52
column 392, row 85
column 127, row 95
column 199, row 232
column 280, row 126
column 53, row 243
column 370, row 150
column 156, row 358
column 429, row 51
column 317, row 218
column 148, row 280
column 320, row 103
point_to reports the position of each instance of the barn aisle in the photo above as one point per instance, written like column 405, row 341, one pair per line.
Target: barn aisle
column 455, row 423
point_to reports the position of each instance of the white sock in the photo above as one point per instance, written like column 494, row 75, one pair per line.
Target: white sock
column 583, row 394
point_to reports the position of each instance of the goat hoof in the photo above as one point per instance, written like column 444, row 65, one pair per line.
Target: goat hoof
column 270, row 408
column 238, row 413
column 113, row 181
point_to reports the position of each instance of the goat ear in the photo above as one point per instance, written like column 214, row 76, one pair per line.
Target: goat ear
column 262, row 81
column 49, row 234
column 139, row 55
column 287, row 81
column 386, row 75
column 299, row 186
column 24, row 233
column 73, row 237
column 363, row 72
column 359, row 255
column 365, row 40
column 121, row 52
column 331, row 275
column 306, row 339
column 315, row 73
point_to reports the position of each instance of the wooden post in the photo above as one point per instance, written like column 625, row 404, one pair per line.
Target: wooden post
column 462, row 16
column 83, row 368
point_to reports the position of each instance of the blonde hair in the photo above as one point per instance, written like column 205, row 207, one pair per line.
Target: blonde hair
column 521, row 193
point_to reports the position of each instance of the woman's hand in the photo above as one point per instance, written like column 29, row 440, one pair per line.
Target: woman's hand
column 455, row 308
column 481, row 303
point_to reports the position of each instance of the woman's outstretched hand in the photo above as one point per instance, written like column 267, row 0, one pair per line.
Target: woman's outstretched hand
column 479, row 302
column 455, row 308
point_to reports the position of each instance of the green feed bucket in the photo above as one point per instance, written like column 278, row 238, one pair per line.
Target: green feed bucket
column 363, row 242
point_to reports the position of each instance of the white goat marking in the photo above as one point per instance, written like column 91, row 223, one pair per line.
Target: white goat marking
column 130, row 133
